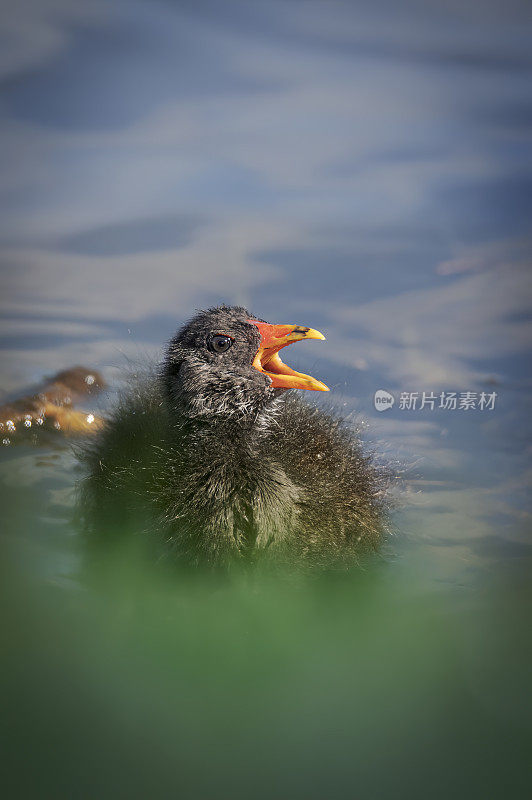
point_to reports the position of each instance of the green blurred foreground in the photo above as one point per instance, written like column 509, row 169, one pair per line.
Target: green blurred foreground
column 128, row 680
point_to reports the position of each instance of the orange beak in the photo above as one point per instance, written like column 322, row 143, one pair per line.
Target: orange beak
column 268, row 361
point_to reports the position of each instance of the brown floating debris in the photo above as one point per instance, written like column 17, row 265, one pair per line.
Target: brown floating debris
column 51, row 406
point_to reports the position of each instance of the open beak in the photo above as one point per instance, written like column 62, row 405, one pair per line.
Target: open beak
column 268, row 361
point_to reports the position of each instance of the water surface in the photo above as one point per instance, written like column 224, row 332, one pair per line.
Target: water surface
column 358, row 168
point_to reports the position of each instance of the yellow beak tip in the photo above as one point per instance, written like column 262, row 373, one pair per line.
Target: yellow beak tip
column 316, row 386
column 313, row 334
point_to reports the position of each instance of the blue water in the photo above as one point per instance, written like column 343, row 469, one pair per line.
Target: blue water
column 360, row 168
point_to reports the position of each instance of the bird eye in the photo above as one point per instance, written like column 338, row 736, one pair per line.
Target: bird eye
column 220, row 343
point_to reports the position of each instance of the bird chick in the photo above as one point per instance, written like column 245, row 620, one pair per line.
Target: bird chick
column 216, row 460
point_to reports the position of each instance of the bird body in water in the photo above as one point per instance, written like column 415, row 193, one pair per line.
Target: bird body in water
column 216, row 461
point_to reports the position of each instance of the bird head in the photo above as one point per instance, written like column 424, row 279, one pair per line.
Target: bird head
column 225, row 363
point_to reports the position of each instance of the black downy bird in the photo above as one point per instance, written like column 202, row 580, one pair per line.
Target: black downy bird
column 215, row 460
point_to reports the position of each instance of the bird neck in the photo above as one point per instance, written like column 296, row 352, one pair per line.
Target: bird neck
column 219, row 435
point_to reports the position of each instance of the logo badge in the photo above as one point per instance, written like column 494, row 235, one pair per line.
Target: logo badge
column 383, row 400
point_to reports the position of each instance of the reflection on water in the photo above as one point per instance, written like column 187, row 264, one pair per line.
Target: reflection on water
column 362, row 169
